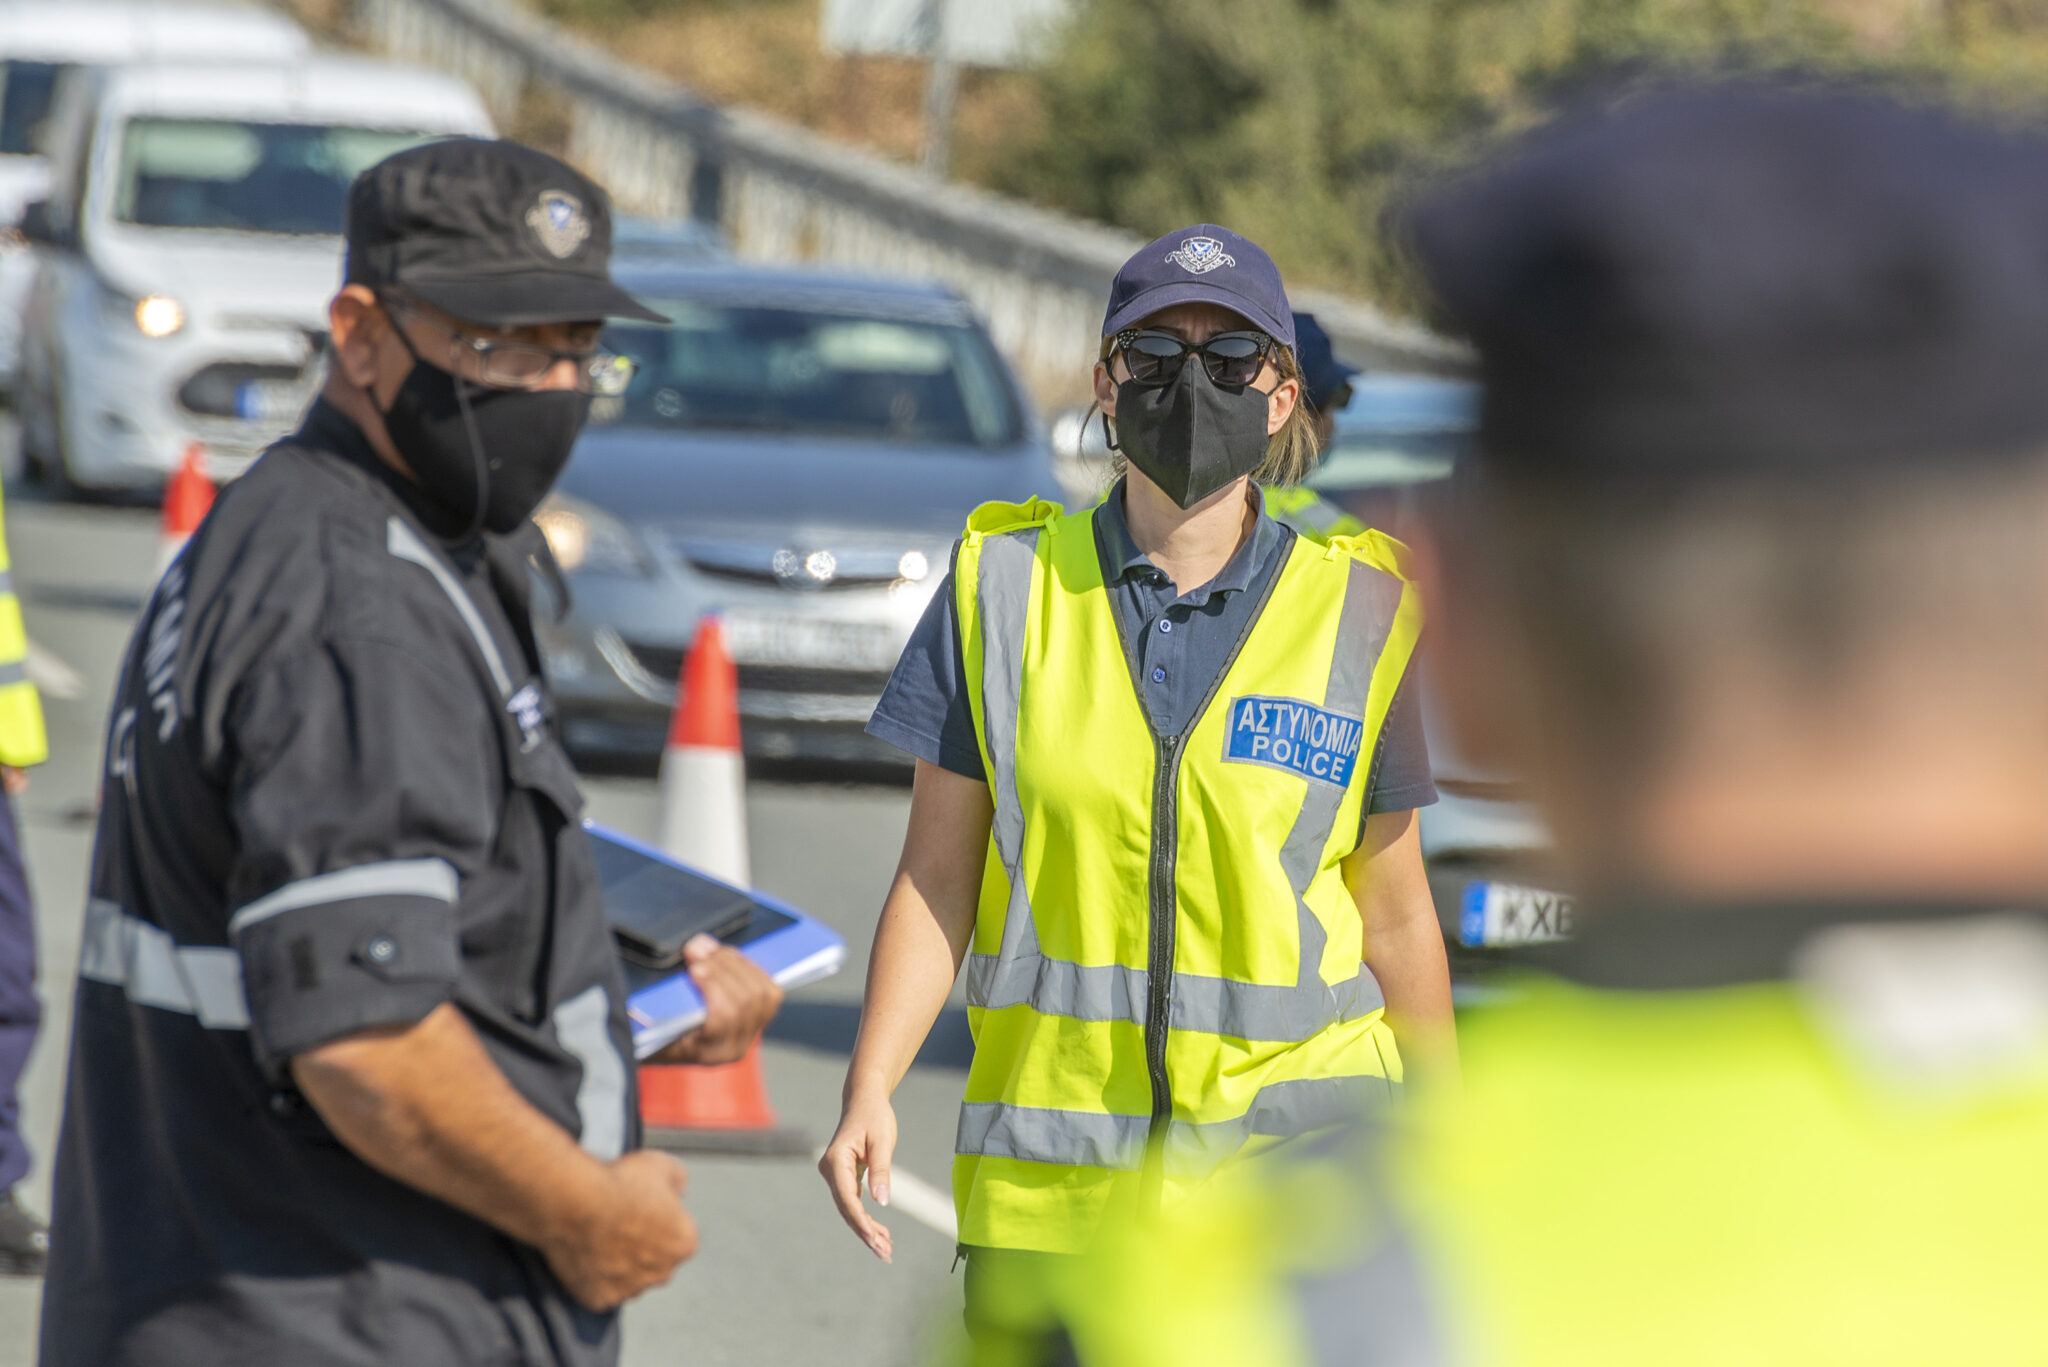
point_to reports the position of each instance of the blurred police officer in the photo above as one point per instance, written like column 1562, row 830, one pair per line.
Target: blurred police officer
column 1750, row 581
column 24, row 1243
column 1326, row 383
column 1326, row 379
column 352, row 1080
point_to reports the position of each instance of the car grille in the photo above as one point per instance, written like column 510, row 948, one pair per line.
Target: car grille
column 733, row 575
column 780, row 565
column 666, row 662
column 213, row 391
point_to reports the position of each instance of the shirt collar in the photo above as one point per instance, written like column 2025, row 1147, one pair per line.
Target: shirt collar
column 1125, row 560
column 327, row 428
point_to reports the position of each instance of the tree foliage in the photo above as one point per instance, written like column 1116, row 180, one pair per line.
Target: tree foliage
column 1296, row 122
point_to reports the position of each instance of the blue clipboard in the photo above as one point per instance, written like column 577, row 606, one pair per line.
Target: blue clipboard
column 795, row 949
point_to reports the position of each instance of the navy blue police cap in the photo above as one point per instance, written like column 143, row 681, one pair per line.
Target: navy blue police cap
column 1204, row 264
column 1749, row 279
column 1321, row 372
column 490, row 231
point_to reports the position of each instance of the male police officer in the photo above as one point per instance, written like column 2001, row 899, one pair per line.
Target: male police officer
column 1750, row 580
column 351, row 1080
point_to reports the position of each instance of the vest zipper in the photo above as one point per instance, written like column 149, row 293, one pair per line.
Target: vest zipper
column 1163, row 908
column 1160, row 945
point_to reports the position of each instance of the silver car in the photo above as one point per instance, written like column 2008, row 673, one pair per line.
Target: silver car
column 1487, row 850
column 797, row 452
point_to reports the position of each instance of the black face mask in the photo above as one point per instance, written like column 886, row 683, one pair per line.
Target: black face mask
column 487, row 456
column 1193, row 436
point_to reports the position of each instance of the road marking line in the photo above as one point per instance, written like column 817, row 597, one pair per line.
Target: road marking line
column 921, row 1201
column 51, row 676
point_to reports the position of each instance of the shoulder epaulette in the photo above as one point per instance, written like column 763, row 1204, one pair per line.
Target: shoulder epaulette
column 992, row 519
column 1378, row 550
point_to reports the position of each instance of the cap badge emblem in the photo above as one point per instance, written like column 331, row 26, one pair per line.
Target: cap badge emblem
column 559, row 222
column 1200, row 255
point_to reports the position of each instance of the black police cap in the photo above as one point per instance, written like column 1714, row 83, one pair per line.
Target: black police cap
column 1750, row 278
column 490, row 231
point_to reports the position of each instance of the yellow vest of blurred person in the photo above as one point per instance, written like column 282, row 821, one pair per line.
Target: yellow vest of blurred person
column 1743, row 1174
column 1166, row 965
column 22, row 739
column 1309, row 513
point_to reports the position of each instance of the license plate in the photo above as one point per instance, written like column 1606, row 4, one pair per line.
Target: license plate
column 1499, row 915
column 271, row 401
column 810, row 643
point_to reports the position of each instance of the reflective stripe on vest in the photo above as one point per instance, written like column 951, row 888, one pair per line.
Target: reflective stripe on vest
column 23, row 739
column 1114, row 853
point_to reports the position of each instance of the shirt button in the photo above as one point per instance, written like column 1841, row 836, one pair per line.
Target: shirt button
column 1158, row 676
column 1165, row 625
column 382, row 950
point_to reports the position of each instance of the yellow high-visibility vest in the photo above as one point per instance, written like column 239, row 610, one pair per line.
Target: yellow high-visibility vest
column 1689, row 1178
column 1166, row 966
column 22, row 738
column 1309, row 513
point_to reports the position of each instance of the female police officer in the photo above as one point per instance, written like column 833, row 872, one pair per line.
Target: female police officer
column 1143, row 810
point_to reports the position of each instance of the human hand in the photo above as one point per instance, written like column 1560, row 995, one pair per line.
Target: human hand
column 633, row 1239
column 864, row 1142
column 13, row 781
column 739, row 1001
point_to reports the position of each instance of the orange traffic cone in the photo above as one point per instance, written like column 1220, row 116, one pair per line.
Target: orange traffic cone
column 187, row 495
column 703, row 776
column 717, row 1107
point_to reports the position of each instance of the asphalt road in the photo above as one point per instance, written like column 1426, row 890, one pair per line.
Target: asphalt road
column 778, row 1278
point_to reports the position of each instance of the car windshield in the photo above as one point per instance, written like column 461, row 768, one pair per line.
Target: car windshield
column 796, row 371
column 25, row 92
column 248, row 177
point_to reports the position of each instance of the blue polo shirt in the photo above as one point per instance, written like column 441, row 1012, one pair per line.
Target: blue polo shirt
column 1180, row 643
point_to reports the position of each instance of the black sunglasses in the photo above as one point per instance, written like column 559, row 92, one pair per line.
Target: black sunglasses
column 1155, row 358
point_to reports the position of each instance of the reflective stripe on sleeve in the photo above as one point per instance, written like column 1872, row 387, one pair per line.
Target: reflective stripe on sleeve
column 431, row 878
column 144, row 962
column 583, row 1025
column 13, row 672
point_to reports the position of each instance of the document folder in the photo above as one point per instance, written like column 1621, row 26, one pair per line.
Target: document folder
column 663, row 1003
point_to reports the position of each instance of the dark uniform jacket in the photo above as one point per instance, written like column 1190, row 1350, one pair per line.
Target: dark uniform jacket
column 333, row 800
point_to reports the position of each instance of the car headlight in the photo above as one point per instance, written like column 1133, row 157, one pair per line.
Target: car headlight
column 587, row 538
column 158, row 315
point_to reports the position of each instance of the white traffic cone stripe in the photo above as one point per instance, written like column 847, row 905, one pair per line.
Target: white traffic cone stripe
column 704, row 810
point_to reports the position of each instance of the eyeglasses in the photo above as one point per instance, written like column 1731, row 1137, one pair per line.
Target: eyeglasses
column 524, row 365
column 1155, row 358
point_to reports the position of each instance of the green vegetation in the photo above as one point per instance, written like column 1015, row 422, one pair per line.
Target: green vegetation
column 1294, row 121
column 1298, row 121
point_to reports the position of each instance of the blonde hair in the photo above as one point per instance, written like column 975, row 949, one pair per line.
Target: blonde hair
column 1291, row 452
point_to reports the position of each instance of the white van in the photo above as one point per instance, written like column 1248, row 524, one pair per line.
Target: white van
column 188, row 247
column 44, row 43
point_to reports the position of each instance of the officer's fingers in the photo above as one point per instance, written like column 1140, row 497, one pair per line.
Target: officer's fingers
column 880, row 1153
column 843, row 1179
column 698, row 949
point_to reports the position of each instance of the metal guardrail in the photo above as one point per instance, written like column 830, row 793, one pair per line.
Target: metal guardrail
column 781, row 193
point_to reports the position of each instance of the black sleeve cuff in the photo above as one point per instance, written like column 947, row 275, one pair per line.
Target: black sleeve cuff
column 317, row 973
column 1405, row 798
column 930, row 749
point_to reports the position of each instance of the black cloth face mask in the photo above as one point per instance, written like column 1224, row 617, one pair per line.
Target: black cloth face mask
column 1193, row 436
column 486, row 456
